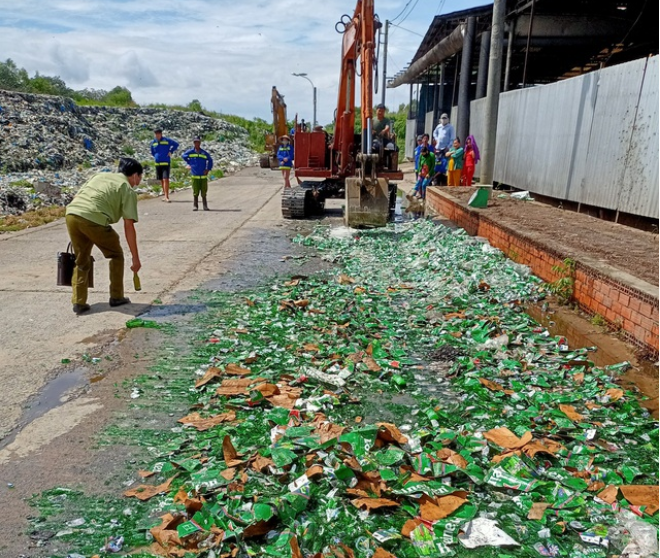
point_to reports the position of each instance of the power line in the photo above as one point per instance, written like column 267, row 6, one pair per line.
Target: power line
column 410, row 11
column 404, row 29
column 441, row 5
column 401, row 12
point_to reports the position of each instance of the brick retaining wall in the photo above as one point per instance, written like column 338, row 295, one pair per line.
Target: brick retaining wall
column 627, row 303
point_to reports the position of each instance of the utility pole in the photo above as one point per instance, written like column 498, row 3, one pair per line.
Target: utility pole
column 493, row 91
column 387, row 29
column 314, row 116
column 304, row 76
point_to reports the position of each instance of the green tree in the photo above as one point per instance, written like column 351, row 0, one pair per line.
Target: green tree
column 12, row 78
column 119, row 97
column 49, row 85
column 195, row 106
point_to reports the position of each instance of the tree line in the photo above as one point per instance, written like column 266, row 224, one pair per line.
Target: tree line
column 13, row 78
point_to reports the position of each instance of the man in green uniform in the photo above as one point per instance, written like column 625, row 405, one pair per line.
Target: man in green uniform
column 100, row 202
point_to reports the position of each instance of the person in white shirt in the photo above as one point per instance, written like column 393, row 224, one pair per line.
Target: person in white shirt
column 443, row 138
column 444, row 134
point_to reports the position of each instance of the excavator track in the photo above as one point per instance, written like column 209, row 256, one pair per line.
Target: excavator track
column 295, row 202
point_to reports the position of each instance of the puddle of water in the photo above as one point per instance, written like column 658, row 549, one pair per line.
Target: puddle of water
column 610, row 350
column 55, row 393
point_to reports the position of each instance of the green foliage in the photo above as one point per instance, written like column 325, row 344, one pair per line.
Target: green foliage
column 128, row 150
column 598, row 320
column 195, row 106
column 399, row 123
column 21, row 183
column 119, row 97
column 562, row 287
column 13, row 78
column 257, row 128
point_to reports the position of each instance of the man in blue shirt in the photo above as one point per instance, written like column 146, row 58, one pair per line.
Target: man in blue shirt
column 200, row 164
column 162, row 149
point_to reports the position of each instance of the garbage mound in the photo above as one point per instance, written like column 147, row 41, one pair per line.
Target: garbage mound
column 53, row 142
column 293, row 446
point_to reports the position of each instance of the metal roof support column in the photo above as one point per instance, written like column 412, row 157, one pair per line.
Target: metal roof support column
column 410, row 105
column 509, row 53
column 482, row 72
column 529, row 39
column 436, row 93
column 463, row 124
column 441, row 91
column 493, row 92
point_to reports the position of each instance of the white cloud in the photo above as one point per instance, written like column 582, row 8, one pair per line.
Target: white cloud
column 226, row 54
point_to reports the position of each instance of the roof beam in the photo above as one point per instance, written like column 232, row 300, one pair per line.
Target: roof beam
column 449, row 46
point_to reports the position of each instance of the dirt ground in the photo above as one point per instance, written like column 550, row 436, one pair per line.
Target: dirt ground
column 625, row 248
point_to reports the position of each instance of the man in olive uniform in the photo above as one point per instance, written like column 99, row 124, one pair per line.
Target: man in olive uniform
column 101, row 201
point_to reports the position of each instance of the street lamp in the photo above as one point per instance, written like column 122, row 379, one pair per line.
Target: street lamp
column 303, row 75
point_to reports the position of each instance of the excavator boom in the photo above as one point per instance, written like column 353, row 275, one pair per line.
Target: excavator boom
column 352, row 165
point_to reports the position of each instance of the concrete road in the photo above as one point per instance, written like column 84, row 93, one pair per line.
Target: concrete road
column 39, row 328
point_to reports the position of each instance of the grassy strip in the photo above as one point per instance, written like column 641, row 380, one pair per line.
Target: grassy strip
column 31, row 219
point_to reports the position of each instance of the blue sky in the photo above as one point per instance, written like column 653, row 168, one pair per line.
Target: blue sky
column 226, row 54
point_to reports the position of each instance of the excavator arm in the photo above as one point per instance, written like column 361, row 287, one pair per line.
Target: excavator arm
column 358, row 44
column 278, row 108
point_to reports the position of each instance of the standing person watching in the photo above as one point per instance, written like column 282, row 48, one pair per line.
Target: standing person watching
column 285, row 158
column 471, row 159
column 200, row 164
column 162, row 149
column 443, row 135
column 455, row 155
column 100, row 202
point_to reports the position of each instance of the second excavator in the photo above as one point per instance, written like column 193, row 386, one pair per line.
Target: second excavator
column 278, row 108
column 357, row 167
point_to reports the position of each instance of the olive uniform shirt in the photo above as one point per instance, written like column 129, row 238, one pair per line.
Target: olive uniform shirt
column 105, row 199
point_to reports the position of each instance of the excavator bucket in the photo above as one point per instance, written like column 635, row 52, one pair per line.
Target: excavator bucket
column 367, row 202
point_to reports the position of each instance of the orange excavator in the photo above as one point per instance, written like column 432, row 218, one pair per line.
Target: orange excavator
column 278, row 108
column 357, row 167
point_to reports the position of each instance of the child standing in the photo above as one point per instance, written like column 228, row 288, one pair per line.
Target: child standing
column 285, row 158
column 418, row 152
column 455, row 155
column 426, row 163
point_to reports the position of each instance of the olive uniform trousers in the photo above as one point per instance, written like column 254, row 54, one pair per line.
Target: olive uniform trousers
column 84, row 236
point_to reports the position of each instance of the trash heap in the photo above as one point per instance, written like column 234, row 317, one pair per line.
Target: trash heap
column 52, row 141
column 316, row 428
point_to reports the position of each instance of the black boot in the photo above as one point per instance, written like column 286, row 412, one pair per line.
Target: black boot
column 205, row 206
column 195, row 203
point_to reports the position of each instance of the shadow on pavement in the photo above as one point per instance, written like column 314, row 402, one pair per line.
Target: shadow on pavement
column 133, row 309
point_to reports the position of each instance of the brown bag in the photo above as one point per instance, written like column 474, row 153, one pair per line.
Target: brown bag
column 66, row 262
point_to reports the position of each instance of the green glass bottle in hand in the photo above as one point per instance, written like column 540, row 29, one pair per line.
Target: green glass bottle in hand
column 136, row 282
